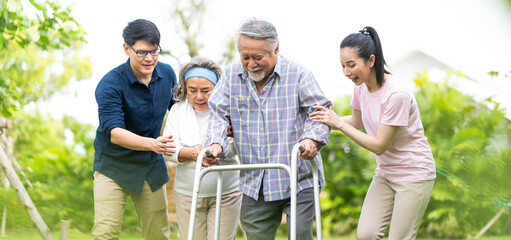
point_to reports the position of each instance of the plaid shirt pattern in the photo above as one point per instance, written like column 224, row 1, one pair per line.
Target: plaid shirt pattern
column 266, row 126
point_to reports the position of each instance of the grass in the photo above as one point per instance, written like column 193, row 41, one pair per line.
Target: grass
column 76, row 235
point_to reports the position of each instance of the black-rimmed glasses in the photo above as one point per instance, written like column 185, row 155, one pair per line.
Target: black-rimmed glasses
column 142, row 54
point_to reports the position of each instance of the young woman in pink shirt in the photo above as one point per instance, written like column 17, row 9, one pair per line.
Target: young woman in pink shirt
column 403, row 181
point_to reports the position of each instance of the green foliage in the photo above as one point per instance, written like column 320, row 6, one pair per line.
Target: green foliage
column 32, row 69
column 472, row 173
column 39, row 56
column 57, row 158
column 52, row 27
column 16, row 215
column 59, row 171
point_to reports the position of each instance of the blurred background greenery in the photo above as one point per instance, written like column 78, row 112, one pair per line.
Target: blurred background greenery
column 40, row 55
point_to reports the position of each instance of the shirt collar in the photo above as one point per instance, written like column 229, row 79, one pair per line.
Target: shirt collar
column 131, row 76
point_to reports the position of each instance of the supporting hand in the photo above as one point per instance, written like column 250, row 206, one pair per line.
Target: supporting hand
column 311, row 149
column 326, row 116
column 163, row 145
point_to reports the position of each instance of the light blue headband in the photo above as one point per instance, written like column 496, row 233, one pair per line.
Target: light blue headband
column 203, row 73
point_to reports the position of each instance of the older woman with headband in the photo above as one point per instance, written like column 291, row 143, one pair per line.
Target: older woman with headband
column 188, row 122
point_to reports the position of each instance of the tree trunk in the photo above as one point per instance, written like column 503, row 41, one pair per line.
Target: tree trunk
column 9, row 146
column 4, row 219
column 64, row 229
column 492, row 221
column 24, row 197
column 5, row 123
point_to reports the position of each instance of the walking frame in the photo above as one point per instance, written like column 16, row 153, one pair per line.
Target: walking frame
column 292, row 171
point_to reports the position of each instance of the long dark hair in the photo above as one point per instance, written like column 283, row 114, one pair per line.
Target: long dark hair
column 367, row 43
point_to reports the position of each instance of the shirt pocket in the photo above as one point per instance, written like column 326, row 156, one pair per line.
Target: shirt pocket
column 246, row 109
column 138, row 115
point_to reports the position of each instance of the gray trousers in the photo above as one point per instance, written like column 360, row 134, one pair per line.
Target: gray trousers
column 260, row 219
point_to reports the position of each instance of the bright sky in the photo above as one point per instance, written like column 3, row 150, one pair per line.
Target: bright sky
column 473, row 36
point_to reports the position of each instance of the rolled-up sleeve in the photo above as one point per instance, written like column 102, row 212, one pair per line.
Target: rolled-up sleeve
column 311, row 95
column 109, row 100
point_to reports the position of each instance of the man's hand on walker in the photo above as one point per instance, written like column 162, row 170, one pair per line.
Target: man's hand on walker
column 216, row 150
column 310, row 149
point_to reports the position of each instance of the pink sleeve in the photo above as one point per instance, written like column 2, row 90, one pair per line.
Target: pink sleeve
column 396, row 110
column 355, row 103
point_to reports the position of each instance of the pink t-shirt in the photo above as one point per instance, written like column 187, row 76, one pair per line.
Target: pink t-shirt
column 409, row 156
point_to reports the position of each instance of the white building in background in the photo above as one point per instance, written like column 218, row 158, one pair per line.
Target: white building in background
column 498, row 88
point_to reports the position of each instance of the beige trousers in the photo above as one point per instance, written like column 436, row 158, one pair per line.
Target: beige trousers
column 205, row 216
column 402, row 204
column 109, row 203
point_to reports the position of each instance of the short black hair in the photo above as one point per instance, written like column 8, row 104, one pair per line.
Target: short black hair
column 141, row 29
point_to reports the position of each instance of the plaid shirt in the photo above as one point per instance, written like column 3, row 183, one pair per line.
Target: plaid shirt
column 267, row 126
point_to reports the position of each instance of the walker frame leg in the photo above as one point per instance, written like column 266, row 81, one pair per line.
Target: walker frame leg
column 291, row 170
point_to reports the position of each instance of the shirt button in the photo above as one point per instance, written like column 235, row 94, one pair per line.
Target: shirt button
column 261, row 129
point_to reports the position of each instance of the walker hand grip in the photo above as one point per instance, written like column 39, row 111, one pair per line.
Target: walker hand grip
column 301, row 148
column 208, row 153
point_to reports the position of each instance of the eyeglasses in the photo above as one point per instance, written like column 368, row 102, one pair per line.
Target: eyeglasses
column 142, row 54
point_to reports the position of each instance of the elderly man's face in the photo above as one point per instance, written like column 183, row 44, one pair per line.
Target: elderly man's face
column 256, row 60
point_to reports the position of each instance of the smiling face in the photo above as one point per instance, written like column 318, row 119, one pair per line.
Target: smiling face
column 255, row 59
column 142, row 67
column 356, row 68
column 198, row 90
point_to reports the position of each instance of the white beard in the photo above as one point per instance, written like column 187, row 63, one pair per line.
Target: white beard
column 255, row 78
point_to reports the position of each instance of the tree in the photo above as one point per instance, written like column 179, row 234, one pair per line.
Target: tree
column 38, row 57
column 472, row 172
column 52, row 28
column 39, row 44
column 59, row 165
column 188, row 18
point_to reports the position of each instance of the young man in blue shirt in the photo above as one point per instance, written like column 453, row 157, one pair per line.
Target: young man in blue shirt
column 132, row 101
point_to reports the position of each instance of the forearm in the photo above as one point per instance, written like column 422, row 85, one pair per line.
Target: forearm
column 364, row 140
column 351, row 121
column 127, row 139
column 318, row 132
column 188, row 154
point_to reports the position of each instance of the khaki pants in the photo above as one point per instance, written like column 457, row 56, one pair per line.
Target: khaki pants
column 402, row 204
column 206, row 215
column 109, row 203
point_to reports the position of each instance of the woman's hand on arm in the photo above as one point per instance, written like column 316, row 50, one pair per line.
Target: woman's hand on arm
column 350, row 126
column 326, row 116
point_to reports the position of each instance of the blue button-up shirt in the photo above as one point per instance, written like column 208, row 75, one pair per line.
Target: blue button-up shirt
column 125, row 102
column 267, row 126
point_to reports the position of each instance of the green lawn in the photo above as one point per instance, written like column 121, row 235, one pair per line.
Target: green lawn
column 76, row 235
